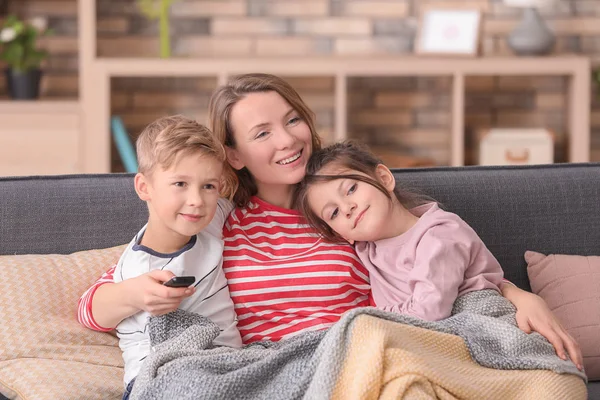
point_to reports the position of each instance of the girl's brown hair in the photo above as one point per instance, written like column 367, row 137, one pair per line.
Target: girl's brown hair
column 227, row 96
column 354, row 157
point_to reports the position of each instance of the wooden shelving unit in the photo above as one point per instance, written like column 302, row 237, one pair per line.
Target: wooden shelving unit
column 92, row 109
column 576, row 68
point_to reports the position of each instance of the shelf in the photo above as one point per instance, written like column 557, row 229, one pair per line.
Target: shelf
column 349, row 66
column 39, row 106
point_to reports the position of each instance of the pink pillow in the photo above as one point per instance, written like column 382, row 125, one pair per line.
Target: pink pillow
column 571, row 287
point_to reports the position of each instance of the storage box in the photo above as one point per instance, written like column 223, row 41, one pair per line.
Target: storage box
column 510, row 146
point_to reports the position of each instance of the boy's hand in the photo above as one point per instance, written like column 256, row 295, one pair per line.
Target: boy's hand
column 152, row 296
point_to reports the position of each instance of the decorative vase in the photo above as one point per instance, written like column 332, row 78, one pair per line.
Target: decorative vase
column 23, row 85
column 531, row 37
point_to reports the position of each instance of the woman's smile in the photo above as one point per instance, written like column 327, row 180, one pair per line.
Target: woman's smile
column 290, row 159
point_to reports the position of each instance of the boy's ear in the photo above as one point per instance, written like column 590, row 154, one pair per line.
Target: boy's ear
column 233, row 158
column 141, row 186
column 386, row 177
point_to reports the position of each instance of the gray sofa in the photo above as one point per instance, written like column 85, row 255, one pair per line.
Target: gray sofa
column 549, row 209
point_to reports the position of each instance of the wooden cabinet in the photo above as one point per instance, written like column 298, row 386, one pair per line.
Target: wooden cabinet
column 39, row 138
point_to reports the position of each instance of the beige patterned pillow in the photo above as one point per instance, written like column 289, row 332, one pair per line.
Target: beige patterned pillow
column 44, row 352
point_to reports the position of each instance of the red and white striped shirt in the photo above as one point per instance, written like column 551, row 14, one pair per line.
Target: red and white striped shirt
column 283, row 279
column 84, row 306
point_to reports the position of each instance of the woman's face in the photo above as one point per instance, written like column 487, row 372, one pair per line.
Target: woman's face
column 271, row 140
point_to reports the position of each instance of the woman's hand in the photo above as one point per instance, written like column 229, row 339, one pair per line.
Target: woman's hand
column 533, row 314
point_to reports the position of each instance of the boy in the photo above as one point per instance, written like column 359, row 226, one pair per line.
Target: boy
column 180, row 178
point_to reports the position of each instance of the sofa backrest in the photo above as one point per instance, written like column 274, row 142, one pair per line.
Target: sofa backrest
column 64, row 214
column 549, row 209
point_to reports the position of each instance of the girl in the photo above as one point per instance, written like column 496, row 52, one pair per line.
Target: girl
column 420, row 259
column 269, row 135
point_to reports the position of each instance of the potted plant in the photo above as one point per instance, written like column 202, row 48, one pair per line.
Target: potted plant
column 18, row 48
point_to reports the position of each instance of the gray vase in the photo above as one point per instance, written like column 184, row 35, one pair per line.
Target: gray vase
column 531, row 37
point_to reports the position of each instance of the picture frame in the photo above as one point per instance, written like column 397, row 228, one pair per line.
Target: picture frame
column 449, row 32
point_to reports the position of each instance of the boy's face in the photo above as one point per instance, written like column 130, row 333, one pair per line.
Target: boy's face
column 182, row 199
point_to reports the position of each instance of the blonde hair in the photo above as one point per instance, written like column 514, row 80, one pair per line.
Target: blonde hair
column 227, row 96
column 165, row 140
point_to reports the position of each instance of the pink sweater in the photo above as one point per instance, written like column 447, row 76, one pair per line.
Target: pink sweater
column 424, row 270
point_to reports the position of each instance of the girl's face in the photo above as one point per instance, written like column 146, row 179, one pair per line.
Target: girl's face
column 271, row 140
column 356, row 210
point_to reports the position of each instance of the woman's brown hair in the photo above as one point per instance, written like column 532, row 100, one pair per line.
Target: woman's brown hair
column 353, row 157
column 227, row 96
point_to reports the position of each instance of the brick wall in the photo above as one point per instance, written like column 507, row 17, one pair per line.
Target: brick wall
column 409, row 115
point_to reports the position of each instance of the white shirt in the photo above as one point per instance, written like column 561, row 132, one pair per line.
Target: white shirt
column 200, row 257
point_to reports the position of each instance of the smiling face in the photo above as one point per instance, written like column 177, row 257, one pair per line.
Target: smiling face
column 182, row 199
column 271, row 140
column 356, row 210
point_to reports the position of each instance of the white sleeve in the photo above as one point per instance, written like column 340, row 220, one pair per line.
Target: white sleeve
column 224, row 208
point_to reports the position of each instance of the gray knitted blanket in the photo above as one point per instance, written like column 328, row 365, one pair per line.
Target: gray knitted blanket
column 185, row 365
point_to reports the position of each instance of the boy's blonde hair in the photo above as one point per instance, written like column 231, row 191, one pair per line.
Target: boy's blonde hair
column 167, row 139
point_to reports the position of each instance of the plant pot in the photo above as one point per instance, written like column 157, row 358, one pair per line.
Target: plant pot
column 23, row 85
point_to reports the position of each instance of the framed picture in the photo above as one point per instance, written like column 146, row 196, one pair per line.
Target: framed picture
column 449, row 32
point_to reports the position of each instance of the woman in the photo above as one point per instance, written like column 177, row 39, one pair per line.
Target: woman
column 282, row 278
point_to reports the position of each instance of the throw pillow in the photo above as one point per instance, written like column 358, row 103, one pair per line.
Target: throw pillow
column 571, row 287
column 44, row 352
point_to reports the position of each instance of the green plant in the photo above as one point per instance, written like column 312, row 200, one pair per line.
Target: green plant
column 18, row 43
column 159, row 9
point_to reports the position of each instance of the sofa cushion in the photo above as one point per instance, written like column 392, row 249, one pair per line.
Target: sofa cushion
column 571, row 287
column 40, row 338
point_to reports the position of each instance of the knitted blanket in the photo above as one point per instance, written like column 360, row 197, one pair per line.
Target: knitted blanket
column 476, row 353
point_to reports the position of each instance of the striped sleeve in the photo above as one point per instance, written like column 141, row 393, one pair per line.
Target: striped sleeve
column 84, row 306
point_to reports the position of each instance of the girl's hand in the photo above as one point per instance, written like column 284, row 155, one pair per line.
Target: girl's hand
column 533, row 314
column 149, row 294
